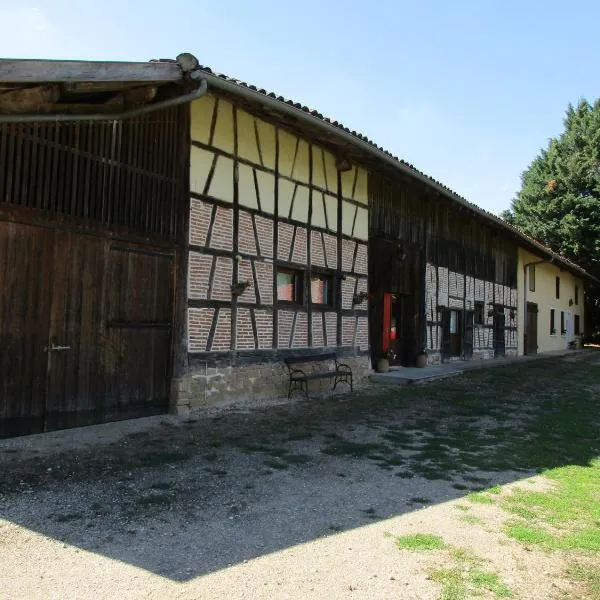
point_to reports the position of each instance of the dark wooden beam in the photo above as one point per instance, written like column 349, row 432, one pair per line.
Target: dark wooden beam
column 31, row 71
column 27, row 99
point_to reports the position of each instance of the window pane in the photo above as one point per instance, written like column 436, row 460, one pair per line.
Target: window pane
column 286, row 284
column 532, row 278
column 453, row 321
column 319, row 289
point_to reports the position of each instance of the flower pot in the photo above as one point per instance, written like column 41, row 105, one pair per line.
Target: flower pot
column 421, row 360
column 383, row 365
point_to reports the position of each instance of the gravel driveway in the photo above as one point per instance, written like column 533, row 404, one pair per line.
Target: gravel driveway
column 283, row 500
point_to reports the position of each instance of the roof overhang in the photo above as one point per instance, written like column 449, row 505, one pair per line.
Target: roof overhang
column 33, row 88
column 373, row 154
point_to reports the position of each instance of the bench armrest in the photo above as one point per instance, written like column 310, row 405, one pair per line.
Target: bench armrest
column 296, row 372
column 339, row 366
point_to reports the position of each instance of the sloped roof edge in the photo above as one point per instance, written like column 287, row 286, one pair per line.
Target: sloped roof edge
column 304, row 114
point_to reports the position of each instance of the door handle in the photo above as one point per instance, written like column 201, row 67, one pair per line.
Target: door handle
column 55, row 348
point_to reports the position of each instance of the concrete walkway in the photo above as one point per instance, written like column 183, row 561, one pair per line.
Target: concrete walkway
column 414, row 375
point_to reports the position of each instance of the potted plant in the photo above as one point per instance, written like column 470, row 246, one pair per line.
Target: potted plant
column 383, row 364
column 422, row 358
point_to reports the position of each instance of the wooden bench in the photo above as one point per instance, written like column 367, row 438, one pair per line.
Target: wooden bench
column 341, row 373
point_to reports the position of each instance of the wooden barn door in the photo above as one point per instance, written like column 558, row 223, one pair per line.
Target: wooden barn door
column 25, row 268
column 531, row 343
column 75, row 387
column 139, row 302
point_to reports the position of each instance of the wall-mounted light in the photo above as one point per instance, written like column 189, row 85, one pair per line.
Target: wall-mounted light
column 237, row 289
column 570, row 301
column 343, row 164
column 359, row 298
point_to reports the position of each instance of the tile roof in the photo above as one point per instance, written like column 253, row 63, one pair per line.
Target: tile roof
column 406, row 166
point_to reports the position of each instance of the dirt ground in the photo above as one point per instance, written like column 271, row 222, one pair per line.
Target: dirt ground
column 296, row 500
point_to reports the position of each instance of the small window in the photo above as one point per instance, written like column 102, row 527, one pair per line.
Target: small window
column 532, row 278
column 576, row 294
column 558, row 287
column 552, row 324
column 478, row 313
column 453, row 321
column 563, row 329
column 577, row 325
column 290, row 285
column 321, row 289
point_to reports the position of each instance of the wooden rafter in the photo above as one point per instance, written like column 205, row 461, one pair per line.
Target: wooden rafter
column 51, row 71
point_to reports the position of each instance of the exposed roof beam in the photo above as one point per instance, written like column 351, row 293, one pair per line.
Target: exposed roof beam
column 33, row 71
column 24, row 100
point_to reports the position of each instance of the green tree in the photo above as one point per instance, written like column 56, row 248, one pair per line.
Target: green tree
column 559, row 200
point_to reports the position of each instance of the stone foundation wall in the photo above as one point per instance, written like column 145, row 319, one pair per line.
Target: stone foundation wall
column 255, row 382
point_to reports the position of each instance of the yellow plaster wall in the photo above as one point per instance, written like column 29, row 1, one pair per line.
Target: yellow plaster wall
column 256, row 143
column 545, row 297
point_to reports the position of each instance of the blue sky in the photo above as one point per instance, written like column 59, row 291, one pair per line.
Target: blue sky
column 467, row 91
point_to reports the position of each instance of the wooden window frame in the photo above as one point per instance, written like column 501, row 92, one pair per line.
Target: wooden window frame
column 531, row 278
column 563, row 330
column 576, row 294
column 328, row 276
column 557, row 283
column 299, row 292
column 552, row 321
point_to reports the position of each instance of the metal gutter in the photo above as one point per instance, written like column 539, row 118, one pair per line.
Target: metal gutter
column 128, row 114
column 231, row 87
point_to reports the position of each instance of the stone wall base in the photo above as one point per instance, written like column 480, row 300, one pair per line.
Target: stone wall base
column 435, row 358
column 254, row 383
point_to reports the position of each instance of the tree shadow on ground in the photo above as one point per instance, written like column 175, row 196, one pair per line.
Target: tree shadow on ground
column 189, row 499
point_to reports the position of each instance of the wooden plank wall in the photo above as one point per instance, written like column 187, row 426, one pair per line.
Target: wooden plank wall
column 125, row 175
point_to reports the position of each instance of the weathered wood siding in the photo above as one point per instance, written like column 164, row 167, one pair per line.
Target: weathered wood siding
column 90, row 216
column 462, row 260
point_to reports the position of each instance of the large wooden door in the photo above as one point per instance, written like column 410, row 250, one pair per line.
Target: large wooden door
column 85, row 329
column 76, row 389
column 25, row 268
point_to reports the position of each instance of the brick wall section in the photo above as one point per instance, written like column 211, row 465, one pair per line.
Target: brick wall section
column 318, row 338
column 316, row 249
column 362, row 333
column 199, row 322
column 347, row 292
column 264, row 229
column 362, row 286
column 330, row 250
column 245, row 274
column 244, row 333
column 300, row 339
column 221, row 285
column 200, row 213
column 284, row 332
column 286, row 233
column 348, row 324
column 264, row 328
column 222, row 338
column 362, row 261
column 331, row 326
column 264, row 274
column 347, row 254
column 299, row 254
column 246, row 240
column 198, row 275
column 221, row 237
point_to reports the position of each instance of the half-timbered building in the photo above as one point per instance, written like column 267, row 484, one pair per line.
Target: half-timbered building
column 170, row 236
